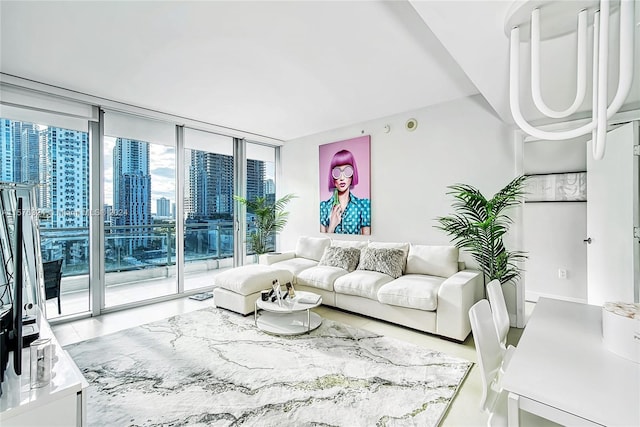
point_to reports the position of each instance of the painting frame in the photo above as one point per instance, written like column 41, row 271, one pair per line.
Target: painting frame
column 556, row 187
column 345, row 202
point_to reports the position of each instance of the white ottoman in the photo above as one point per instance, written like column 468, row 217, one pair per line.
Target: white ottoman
column 237, row 289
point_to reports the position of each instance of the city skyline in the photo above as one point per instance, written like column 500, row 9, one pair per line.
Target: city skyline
column 30, row 150
column 162, row 173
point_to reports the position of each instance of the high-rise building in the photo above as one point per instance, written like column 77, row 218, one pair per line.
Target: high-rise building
column 255, row 178
column 210, row 185
column 163, row 207
column 6, row 151
column 210, row 190
column 67, row 175
column 30, row 153
column 269, row 186
column 132, row 189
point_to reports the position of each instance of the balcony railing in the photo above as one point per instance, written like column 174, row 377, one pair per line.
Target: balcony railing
column 139, row 247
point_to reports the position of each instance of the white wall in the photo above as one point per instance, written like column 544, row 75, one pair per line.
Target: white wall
column 553, row 232
column 457, row 142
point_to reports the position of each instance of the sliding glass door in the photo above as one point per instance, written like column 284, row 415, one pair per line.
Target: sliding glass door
column 137, row 209
column 56, row 161
column 260, row 184
column 139, row 163
column 208, row 206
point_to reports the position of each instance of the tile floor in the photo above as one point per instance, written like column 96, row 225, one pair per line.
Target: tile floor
column 464, row 410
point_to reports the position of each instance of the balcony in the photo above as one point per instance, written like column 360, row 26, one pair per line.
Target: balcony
column 139, row 262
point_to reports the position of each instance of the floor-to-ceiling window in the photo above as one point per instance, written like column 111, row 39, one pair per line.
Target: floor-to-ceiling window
column 139, row 187
column 137, row 207
column 207, row 206
column 55, row 160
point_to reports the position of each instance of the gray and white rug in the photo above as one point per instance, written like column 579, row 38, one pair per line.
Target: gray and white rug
column 212, row 367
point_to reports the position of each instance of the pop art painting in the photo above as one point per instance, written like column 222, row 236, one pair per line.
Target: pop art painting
column 345, row 194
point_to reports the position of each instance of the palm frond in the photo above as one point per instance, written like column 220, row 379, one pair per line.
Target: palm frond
column 479, row 225
column 270, row 219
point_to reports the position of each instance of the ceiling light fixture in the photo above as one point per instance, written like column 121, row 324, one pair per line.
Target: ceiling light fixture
column 528, row 12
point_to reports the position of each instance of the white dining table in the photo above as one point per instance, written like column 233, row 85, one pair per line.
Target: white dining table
column 562, row 371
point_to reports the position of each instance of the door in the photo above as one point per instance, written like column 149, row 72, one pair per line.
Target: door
column 612, row 214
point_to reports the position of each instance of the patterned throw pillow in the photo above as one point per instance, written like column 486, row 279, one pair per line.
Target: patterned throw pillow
column 387, row 261
column 346, row 258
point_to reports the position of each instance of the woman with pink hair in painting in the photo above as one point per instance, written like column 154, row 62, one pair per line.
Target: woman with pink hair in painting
column 344, row 212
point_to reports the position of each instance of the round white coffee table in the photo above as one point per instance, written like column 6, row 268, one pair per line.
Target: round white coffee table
column 293, row 317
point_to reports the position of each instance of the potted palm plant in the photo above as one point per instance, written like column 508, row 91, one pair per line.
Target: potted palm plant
column 479, row 225
column 270, row 219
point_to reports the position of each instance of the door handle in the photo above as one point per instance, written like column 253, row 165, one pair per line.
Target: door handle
column 588, row 240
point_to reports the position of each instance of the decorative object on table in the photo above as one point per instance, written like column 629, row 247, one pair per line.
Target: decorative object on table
column 277, row 292
column 290, row 290
column 264, row 295
column 269, row 219
column 557, row 187
column 621, row 329
column 479, row 224
column 309, row 298
column 41, row 355
column 336, row 375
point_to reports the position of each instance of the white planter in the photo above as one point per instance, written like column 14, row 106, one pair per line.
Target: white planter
column 621, row 331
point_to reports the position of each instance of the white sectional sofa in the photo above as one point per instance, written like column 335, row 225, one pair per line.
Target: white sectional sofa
column 419, row 286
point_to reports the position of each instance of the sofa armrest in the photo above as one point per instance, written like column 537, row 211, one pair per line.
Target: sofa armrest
column 455, row 297
column 270, row 258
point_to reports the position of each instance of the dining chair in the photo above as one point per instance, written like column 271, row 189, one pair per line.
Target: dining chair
column 52, row 277
column 491, row 354
column 499, row 310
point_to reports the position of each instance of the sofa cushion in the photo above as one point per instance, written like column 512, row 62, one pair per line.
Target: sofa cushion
column 387, row 261
column 295, row 265
column 361, row 283
column 311, row 247
column 321, row 276
column 358, row 244
column 412, row 291
column 432, row 260
column 249, row 279
column 346, row 258
column 404, row 247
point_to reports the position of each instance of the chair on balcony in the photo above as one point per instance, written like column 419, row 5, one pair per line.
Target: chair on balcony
column 52, row 277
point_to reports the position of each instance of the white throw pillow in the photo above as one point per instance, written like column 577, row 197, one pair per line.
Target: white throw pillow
column 312, row 247
column 439, row 261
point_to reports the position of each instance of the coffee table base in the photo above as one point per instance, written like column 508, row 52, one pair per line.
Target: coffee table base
column 296, row 323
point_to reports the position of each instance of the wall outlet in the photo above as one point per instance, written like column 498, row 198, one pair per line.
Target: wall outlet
column 562, row 273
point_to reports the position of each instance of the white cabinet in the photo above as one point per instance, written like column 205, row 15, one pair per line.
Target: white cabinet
column 60, row 403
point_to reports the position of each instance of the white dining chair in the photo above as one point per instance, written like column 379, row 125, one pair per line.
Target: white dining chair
column 498, row 310
column 500, row 317
column 490, row 356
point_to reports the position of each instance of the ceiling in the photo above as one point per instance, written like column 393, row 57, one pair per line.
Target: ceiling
column 281, row 69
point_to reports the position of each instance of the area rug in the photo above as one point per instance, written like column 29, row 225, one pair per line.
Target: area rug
column 211, row 367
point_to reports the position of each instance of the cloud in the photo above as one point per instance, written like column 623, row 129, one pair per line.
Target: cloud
column 163, row 172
